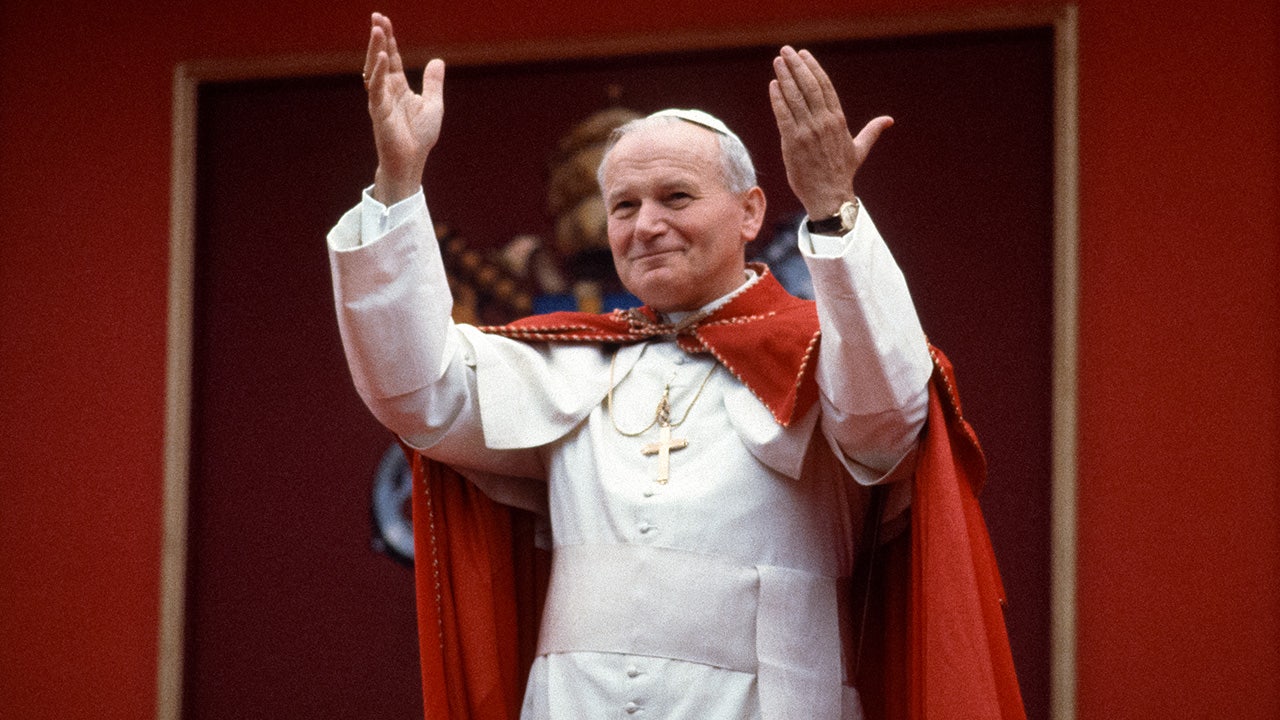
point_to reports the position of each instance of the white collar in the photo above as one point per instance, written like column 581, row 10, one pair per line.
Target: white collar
column 751, row 277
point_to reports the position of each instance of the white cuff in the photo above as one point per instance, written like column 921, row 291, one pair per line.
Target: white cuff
column 376, row 219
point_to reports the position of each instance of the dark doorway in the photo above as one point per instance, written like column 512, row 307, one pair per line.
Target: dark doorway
column 290, row 613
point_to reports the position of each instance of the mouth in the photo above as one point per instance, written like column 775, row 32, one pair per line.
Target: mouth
column 651, row 255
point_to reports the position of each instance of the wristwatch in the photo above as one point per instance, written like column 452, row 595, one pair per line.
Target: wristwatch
column 838, row 224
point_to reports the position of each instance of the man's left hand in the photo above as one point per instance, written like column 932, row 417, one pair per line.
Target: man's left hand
column 821, row 155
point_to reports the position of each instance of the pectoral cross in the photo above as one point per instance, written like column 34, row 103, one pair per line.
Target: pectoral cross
column 665, row 443
column 663, row 449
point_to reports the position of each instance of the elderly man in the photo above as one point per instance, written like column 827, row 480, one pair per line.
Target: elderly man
column 702, row 460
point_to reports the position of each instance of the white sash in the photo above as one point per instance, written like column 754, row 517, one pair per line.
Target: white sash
column 778, row 623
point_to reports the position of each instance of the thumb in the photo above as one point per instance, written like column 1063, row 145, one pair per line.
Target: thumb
column 433, row 81
column 871, row 133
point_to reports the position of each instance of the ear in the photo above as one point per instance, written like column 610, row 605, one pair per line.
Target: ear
column 753, row 205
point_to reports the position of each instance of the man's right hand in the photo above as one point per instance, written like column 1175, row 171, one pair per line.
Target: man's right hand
column 406, row 125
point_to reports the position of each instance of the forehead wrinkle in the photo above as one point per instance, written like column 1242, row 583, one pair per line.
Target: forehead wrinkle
column 678, row 158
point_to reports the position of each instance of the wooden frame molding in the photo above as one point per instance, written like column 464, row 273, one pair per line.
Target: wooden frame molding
column 179, row 362
column 1066, row 303
column 177, row 406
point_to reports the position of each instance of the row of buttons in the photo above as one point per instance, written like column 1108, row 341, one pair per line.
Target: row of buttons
column 633, row 672
column 647, row 527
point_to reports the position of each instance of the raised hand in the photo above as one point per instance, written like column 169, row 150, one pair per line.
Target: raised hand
column 406, row 125
column 820, row 154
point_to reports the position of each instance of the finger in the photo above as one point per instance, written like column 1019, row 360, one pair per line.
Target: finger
column 827, row 89
column 377, row 81
column 377, row 41
column 806, row 82
column 393, row 48
column 781, row 110
column 788, row 89
column 384, row 22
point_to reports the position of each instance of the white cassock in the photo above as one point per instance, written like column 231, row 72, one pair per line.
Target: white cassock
column 714, row 595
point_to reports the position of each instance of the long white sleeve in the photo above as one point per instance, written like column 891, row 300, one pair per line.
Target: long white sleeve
column 413, row 368
column 874, row 365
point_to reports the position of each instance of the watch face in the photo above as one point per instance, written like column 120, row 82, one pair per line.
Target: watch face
column 848, row 215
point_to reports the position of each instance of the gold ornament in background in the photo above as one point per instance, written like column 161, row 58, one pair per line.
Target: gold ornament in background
column 497, row 286
column 484, row 291
column 573, row 196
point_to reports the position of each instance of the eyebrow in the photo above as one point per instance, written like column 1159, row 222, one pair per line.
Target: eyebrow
column 662, row 187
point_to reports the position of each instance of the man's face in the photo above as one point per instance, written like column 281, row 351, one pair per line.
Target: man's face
column 676, row 230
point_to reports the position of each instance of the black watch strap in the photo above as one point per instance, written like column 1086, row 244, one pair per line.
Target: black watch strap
column 838, row 224
column 825, row 226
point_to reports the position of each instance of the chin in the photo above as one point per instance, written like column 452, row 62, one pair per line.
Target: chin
column 664, row 294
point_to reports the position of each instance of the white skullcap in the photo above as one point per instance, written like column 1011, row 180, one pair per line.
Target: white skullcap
column 698, row 117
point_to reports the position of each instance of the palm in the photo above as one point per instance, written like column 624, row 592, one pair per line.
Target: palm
column 406, row 125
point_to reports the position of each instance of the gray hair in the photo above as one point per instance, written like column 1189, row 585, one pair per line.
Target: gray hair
column 739, row 172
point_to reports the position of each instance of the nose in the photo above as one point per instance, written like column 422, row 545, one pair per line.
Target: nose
column 651, row 220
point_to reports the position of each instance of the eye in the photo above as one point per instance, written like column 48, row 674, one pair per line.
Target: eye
column 622, row 208
column 678, row 199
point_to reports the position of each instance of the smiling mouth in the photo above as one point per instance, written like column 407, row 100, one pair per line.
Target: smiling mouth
column 655, row 254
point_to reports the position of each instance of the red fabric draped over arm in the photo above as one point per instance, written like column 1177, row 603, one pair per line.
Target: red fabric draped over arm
column 468, row 621
column 937, row 645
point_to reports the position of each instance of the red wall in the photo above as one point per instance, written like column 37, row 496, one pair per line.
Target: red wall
column 1179, row 515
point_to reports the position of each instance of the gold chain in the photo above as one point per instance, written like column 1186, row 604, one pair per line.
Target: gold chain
column 662, row 413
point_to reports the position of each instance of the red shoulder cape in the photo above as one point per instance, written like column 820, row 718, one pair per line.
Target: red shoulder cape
column 765, row 336
column 936, row 645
